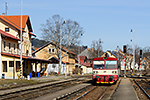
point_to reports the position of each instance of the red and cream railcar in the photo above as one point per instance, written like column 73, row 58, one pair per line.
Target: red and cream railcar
column 105, row 70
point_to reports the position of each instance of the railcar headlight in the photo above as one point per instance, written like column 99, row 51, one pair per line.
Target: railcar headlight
column 93, row 71
column 112, row 71
column 96, row 71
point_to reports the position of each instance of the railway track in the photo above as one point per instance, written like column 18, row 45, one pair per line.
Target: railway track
column 144, row 86
column 31, row 93
column 86, row 93
column 98, row 92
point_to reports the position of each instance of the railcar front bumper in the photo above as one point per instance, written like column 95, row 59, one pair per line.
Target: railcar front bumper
column 105, row 79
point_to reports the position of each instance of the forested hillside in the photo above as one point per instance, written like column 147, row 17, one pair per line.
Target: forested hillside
column 37, row 43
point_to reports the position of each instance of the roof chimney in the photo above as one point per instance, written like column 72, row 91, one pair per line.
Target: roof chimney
column 3, row 14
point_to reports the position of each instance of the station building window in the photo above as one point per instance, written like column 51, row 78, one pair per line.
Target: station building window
column 6, row 29
column 17, row 66
column 4, row 66
column 11, row 66
column 14, row 48
column 9, row 46
column 4, row 45
column 51, row 50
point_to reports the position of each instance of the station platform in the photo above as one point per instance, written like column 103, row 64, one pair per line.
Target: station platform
column 125, row 91
column 42, row 79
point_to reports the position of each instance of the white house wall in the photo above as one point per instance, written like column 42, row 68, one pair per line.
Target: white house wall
column 50, row 68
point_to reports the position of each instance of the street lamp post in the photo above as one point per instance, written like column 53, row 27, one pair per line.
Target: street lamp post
column 133, row 51
column 60, row 62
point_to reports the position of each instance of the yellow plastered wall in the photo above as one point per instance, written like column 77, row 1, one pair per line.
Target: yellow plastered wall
column 44, row 54
column 11, row 50
column 10, row 73
column 26, row 44
column 12, row 30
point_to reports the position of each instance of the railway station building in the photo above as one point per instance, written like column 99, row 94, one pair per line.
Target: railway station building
column 10, row 46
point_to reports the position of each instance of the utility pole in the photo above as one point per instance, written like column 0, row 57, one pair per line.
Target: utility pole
column 133, row 52
column 60, row 58
column 6, row 8
column 21, row 44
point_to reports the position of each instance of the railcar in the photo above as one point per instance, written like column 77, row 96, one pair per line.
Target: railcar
column 105, row 70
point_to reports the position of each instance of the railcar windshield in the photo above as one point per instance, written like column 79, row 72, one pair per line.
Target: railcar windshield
column 98, row 65
column 111, row 64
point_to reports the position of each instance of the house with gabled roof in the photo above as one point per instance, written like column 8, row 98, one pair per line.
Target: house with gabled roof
column 10, row 46
column 50, row 52
column 84, row 61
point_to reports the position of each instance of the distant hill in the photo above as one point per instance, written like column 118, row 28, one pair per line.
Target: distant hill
column 38, row 43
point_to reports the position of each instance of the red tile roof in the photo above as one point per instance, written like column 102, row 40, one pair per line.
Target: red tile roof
column 37, row 48
column 24, row 57
column 86, row 64
column 32, row 34
column 15, row 21
column 8, row 35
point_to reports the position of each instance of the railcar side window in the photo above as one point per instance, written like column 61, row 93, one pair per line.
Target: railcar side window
column 98, row 65
column 111, row 64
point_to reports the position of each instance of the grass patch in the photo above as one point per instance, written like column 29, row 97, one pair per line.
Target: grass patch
column 11, row 83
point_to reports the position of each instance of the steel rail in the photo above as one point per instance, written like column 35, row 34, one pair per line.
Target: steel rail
column 85, row 93
column 34, row 89
column 146, row 82
column 103, row 94
column 142, row 89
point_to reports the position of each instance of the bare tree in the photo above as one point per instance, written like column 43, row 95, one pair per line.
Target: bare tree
column 97, row 47
column 56, row 30
column 146, row 52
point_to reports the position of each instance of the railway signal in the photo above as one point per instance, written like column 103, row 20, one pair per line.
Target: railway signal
column 140, row 53
column 124, row 49
column 140, row 62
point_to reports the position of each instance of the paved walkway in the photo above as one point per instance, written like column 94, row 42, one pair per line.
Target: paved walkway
column 125, row 91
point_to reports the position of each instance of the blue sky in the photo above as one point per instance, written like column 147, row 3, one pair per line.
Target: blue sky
column 110, row 20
